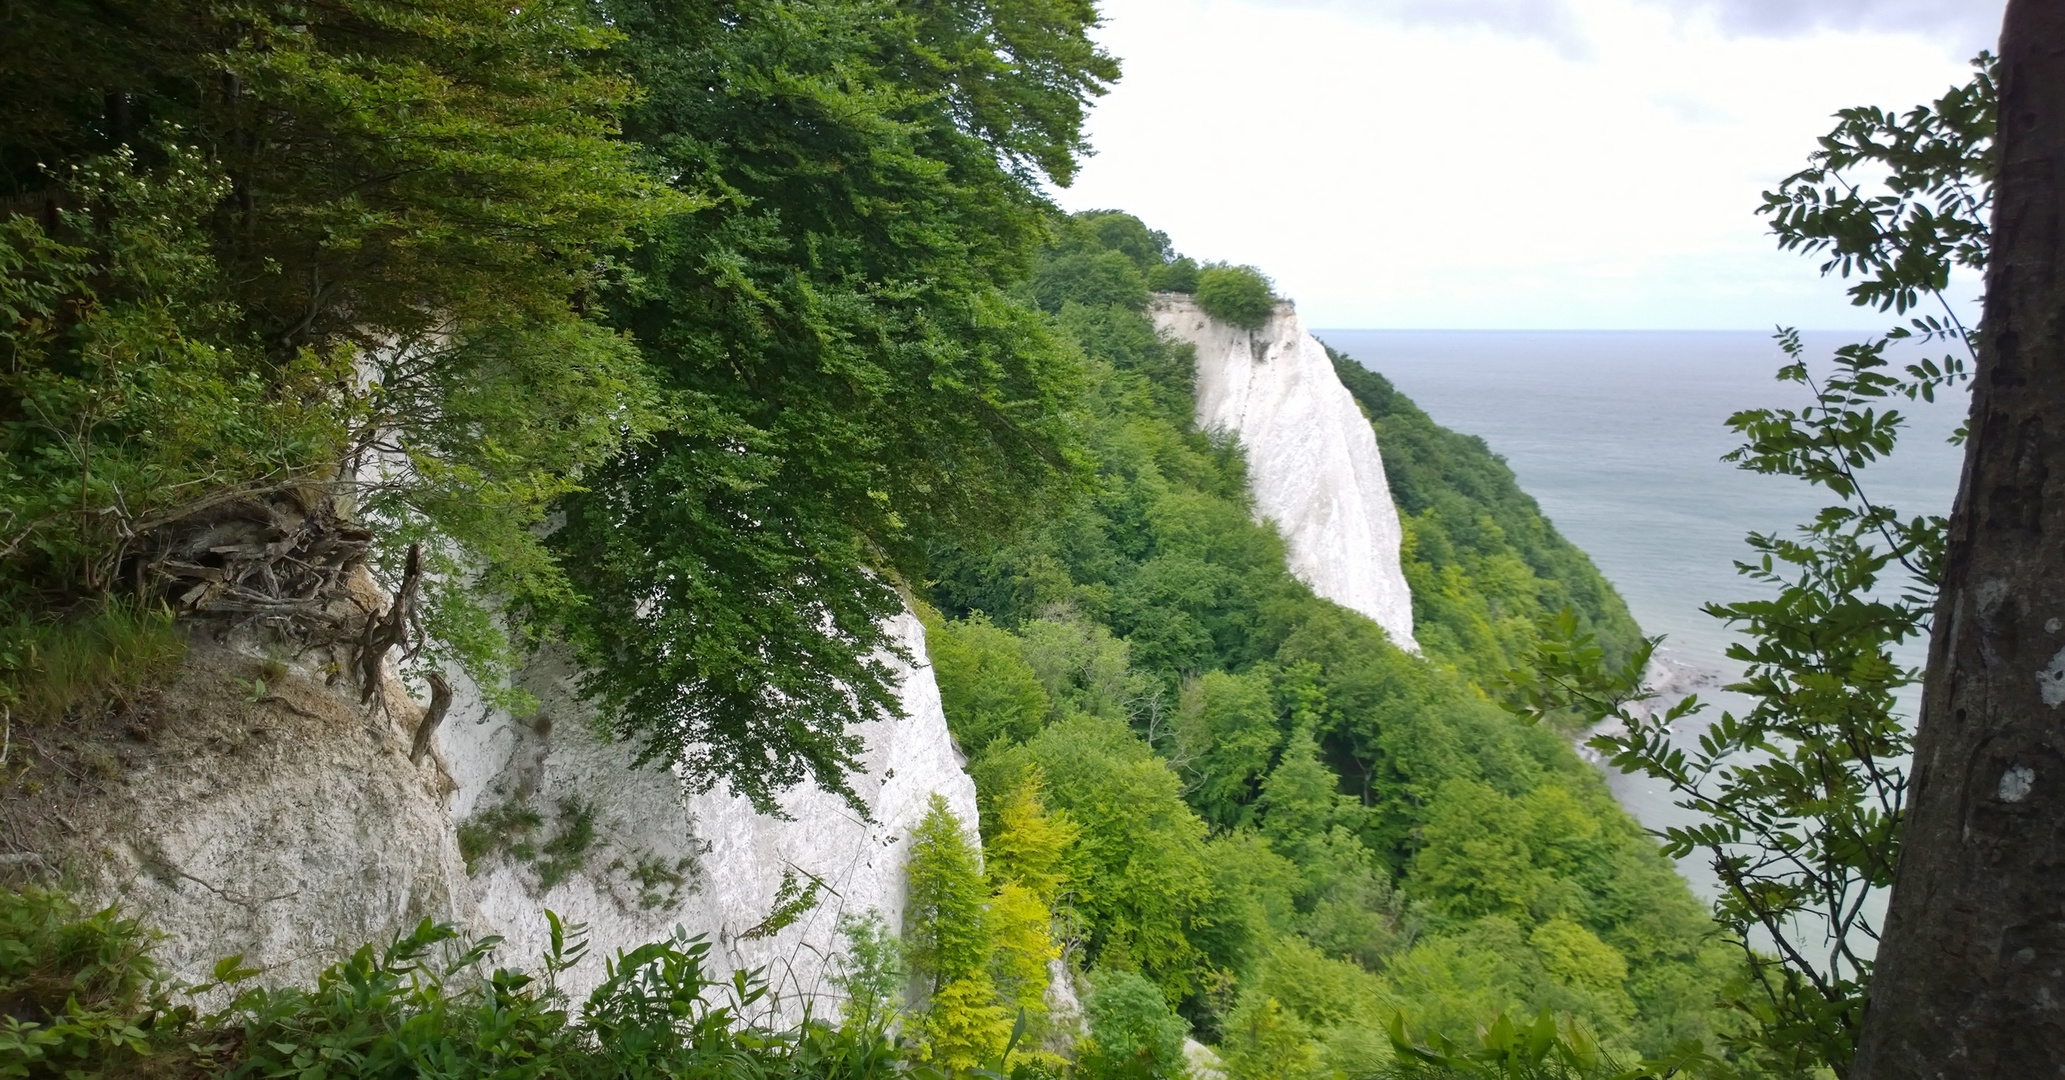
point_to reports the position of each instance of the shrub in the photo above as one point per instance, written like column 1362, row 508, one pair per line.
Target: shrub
column 985, row 685
column 82, row 1001
column 1179, row 276
column 870, row 973
column 1133, row 1033
column 80, row 992
column 1236, row 294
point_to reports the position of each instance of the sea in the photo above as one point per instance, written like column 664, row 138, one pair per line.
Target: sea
column 1619, row 435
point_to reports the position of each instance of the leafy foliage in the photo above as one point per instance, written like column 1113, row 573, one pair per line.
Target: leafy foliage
column 1929, row 211
column 845, row 373
column 1540, row 1050
column 1799, row 800
column 338, row 248
column 1132, row 1031
column 1286, row 824
column 81, row 992
column 1236, row 294
column 871, row 976
column 83, row 1000
column 980, row 942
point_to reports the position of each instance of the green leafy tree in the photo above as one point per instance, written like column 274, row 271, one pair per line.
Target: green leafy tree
column 270, row 260
column 846, row 372
column 1179, row 275
column 1027, row 855
column 1133, row 1033
column 1236, row 294
column 1141, row 882
column 949, row 941
column 1265, row 1042
column 986, row 688
column 1227, row 734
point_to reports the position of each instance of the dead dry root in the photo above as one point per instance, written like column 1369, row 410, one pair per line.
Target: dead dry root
column 288, row 561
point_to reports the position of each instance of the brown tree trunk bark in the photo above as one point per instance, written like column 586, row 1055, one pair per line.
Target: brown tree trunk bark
column 1971, row 972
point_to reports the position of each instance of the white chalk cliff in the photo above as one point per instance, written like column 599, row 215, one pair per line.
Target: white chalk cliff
column 1313, row 465
column 736, row 858
column 294, row 828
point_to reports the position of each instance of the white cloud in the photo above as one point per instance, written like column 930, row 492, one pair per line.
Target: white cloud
column 1415, row 171
column 1973, row 24
column 1970, row 24
column 1552, row 21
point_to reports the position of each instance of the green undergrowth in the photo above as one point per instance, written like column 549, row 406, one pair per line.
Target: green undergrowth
column 84, row 1000
column 103, row 654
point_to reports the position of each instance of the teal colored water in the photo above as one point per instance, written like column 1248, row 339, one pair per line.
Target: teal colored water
column 1619, row 437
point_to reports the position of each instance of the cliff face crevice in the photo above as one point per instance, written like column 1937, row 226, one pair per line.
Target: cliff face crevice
column 252, row 806
column 1313, row 465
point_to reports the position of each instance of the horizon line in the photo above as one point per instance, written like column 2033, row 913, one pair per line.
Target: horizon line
column 1577, row 330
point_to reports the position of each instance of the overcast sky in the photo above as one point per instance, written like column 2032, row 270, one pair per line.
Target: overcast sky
column 1504, row 163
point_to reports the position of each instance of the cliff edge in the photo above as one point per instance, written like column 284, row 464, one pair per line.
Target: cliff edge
column 1313, row 465
column 254, row 806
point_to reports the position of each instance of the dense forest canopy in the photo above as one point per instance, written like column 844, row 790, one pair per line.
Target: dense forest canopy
column 1289, row 826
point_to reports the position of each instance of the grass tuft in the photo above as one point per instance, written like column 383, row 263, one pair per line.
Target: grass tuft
column 101, row 656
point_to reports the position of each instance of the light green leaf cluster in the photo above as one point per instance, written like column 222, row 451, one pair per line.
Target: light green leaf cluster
column 979, row 943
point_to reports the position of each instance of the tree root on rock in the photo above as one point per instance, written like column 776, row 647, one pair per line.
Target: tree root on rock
column 285, row 558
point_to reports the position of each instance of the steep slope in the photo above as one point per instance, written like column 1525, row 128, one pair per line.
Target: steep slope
column 250, row 808
column 1313, row 462
column 767, row 891
column 1482, row 560
column 1293, row 828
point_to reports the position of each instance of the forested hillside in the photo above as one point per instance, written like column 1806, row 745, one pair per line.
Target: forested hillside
column 698, row 336
column 1483, row 563
column 1290, row 827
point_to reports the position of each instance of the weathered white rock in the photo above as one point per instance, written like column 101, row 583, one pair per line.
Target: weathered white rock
column 290, row 829
column 294, row 829
column 1313, row 465
column 734, row 860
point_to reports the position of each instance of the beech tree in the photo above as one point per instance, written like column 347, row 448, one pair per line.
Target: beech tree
column 1972, row 962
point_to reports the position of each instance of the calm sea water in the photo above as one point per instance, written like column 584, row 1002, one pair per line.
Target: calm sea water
column 1619, row 436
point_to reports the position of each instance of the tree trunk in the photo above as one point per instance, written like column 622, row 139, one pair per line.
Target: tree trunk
column 1971, row 972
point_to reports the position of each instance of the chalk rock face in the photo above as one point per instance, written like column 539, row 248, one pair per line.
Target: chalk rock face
column 1313, row 465
column 278, row 820
column 293, row 827
column 707, row 863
